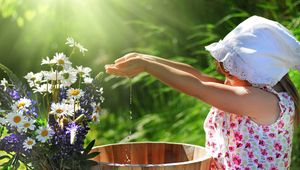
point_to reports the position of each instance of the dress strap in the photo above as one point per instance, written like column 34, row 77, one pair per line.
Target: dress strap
column 270, row 89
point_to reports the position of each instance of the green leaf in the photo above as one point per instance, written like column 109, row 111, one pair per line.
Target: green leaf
column 98, row 79
column 1, row 132
column 17, row 165
column 267, row 6
column 92, row 155
column 242, row 14
column 8, row 164
column 89, row 163
column 13, row 78
column 9, row 73
column 4, row 157
column 89, row 147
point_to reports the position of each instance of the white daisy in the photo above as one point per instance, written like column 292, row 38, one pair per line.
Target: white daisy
column 30, row 79
column 28, row 143
column 30, row 76
column 96, row 107
column 3, row 121
column 61, row 60
column 21, row 104
column 81, row 48
column 61, row 109
column 102, row 99
column 47, row 61
column 34, row 79
column 68, row 101
column 4, row 83
column 68, row 77
column 88, row 80
column 28, row 124
column 83, row 71
column 44, row 133
column 100, row 90
column 71, row 42
column 15, row 118
column 43, row 88
column 75, row 93
column 51, row 76
column 96, row 117
column 72, row 105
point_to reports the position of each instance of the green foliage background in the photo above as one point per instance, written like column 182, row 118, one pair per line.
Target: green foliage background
column 31, row 30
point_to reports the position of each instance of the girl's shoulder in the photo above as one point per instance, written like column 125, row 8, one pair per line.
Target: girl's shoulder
column 286, row 106
column 284, row 102
column 284, row 98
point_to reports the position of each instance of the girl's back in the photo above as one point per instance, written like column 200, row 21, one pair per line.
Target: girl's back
column 238, row 142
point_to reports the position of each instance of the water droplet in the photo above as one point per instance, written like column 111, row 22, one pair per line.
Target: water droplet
column 131, row 117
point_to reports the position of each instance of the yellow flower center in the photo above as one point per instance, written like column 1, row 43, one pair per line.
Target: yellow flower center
column 59, row 110
column 26, row 125
column 17, row 119
column 94, row 118
column 61, row 61
column 30, row 142
column 44, row 133
column 21, row 104
column 75, row 92
column 98, row 109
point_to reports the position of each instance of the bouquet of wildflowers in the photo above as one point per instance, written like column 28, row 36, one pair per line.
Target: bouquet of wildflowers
column 44, row 123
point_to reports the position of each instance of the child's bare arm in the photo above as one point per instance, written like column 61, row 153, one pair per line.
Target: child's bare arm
column 258, row 104
column 178, row 65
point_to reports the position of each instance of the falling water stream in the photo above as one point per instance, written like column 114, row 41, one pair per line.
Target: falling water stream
column 130, row 124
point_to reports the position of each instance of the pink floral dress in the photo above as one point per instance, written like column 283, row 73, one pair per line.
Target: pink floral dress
column 236, row 142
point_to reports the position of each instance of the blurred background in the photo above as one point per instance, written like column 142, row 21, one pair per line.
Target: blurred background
column 178, row 30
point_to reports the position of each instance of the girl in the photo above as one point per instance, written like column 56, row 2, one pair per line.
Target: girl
column 251, row 122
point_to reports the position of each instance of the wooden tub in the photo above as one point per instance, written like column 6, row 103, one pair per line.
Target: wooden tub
column 151, row 156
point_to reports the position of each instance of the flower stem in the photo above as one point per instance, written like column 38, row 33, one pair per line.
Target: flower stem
column 73, row 51
column 79, row 83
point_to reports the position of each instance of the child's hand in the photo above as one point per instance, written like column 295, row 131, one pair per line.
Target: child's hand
column 128, row 66
column 135, row 55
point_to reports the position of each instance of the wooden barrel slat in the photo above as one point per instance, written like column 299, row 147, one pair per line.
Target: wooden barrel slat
column 156, row 158
column 205, row 164
column 189, row 150
column 106, row 154
column 121, row 154
column 139, row 154
column 152, row 156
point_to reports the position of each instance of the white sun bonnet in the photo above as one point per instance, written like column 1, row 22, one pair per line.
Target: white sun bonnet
column 258, row 50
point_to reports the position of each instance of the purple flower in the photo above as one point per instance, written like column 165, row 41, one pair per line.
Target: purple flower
column 61, row 140
column 72, row 130
column 91, row 94
column 13, row 93
column 63, row 94
column 12, row 143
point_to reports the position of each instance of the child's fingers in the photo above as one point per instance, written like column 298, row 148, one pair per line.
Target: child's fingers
column 109, row 65
column 126, row 57
column 115, row 71
column 121, row 64
column 110, row 69
column 120, row 60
